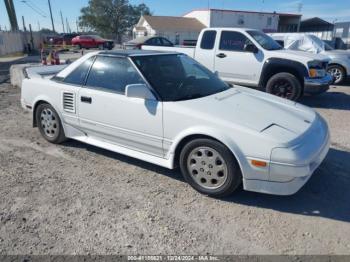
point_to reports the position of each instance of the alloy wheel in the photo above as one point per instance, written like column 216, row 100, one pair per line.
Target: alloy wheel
column 49, row 122
column 207, row 167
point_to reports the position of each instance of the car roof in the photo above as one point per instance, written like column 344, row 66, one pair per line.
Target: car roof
column 129, row 53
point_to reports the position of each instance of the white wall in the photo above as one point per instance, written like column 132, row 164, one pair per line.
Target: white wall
column 266, row 22
column 218, row 18
column 201, row 15
column 12, row 42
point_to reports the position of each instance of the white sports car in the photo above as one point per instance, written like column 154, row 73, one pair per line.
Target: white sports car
column 167, row 109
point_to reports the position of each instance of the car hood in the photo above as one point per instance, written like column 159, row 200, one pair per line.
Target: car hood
column 300, row 56
column 278, row 119
column 337, row 53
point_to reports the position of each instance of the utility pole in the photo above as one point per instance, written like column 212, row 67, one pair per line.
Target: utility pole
column 39, row 26
column 24, row 24
column 62, row 21
column 53, row 25
column 11, row 12
column 67, row 26
column 77, row 24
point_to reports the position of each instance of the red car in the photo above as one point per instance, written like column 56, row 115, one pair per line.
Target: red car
column 92, row 41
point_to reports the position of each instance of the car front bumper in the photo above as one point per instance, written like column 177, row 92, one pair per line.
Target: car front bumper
column 288, row 178
column 314, row 86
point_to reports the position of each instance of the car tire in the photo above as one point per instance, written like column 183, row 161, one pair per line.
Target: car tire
column 210, row 167
column 80, row 46
column 284, row 85
column 337, row 72
column 101, row 47
column 49, row 124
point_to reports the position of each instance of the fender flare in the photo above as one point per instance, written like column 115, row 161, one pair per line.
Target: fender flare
column 275, row 64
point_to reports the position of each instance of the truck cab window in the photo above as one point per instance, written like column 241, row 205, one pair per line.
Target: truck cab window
column 208, row 40
column 112, row 74
column 233, row 41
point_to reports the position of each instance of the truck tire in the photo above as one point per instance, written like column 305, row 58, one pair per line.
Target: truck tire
column 210, row 167
column 49, row 124
column 284, row 85
column 337, row 72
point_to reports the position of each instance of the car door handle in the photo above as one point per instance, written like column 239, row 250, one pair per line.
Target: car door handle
column 221, row 55
column 86, row 99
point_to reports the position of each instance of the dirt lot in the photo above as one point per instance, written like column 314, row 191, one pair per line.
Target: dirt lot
column 78, row 199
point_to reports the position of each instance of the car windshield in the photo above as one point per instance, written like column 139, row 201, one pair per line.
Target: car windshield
column 178, row 77
column 264, row 40
column 327, row 47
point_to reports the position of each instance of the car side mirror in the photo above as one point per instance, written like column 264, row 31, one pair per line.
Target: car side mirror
column 139, row 91
column 251, row 48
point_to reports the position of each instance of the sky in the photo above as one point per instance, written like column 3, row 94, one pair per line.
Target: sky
column 330, row 10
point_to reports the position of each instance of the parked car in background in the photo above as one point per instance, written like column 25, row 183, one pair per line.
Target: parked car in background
column 169, row 110
column 137, row 43
column 92, row 41
column 189, row 42
column 339, row 65
column 60, row 39
column 251, row 58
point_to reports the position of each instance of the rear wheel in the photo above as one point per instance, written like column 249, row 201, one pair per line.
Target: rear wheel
column 210, row 167
column 284, row 85
column 49, row 124
column 337, row 72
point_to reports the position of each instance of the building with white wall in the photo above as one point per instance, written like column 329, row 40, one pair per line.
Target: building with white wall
column 265, row 21
column 176, row 29
column 188, row 27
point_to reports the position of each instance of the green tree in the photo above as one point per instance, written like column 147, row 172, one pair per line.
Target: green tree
column 111, row 17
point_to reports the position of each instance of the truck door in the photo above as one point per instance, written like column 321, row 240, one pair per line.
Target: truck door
column 205, row 49
column 233, row 63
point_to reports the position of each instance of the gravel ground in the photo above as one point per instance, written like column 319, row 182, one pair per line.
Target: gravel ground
column 78, row 199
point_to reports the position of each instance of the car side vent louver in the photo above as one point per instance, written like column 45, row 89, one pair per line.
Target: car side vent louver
column 69, row 102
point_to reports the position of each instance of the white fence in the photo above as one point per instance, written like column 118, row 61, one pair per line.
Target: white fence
column 12, row 42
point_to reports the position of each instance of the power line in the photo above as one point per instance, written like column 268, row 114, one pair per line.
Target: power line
column 33, row 8
column 37, row 7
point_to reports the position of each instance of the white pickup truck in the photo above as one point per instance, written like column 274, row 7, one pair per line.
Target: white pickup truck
column 251, row 58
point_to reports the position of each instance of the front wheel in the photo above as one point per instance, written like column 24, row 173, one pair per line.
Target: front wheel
column 210, row 167
column 284, row 85
column 337, row 72
column 49, row 124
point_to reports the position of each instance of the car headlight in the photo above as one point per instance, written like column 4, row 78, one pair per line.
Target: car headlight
column 314, row 73
column 317, row 68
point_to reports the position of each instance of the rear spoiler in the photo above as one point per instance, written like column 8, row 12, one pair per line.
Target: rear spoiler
column 42, row 71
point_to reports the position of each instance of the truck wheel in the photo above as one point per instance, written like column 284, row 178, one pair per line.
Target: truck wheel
column 210, row 167
column 49, row 124
column 284, row 85
column 337, row 72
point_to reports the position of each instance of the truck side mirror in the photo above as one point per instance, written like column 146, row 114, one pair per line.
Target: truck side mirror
column 251, row 48
column 139, row 91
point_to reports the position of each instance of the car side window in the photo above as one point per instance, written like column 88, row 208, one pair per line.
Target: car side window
column 208, row 40
column 78, row 75
column 233, row 41
column 112, row 74
column 154, row 41
column 166, row 42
